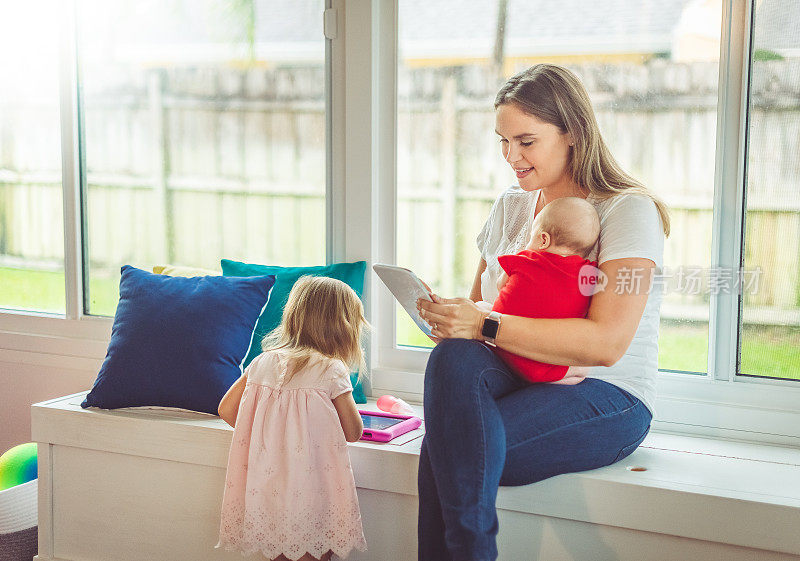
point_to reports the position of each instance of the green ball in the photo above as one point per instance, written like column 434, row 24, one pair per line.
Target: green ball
column 18, row 465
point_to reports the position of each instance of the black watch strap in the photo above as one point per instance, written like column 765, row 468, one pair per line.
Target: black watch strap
column 490, row 327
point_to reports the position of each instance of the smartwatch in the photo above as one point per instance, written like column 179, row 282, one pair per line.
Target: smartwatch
column 490, row 327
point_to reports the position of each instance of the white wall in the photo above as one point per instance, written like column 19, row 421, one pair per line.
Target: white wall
column 24, row 384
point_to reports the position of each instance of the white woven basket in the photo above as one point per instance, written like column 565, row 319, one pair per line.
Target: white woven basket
column 18, row 522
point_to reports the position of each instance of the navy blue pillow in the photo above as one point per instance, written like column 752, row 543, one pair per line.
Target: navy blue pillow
column 177, row 341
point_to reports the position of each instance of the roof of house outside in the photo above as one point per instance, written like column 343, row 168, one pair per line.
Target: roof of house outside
column 213, row 30
column 777, row 26
column 536, row 27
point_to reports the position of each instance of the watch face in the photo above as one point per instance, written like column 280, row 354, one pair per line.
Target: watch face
column 490, row 327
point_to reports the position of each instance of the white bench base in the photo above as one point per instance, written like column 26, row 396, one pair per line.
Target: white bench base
column 147, row 485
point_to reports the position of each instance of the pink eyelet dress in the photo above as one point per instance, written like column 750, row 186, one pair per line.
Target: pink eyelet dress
column 289, row 487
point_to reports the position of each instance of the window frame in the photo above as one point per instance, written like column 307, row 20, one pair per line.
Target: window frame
column 361, row 63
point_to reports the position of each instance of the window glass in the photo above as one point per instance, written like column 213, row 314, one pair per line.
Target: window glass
column 31, row 204
column 651, row 70
column 204, row 135
column 769, row 281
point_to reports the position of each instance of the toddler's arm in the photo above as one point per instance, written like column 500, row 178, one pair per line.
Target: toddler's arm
column 349, row 416
column 229, row 406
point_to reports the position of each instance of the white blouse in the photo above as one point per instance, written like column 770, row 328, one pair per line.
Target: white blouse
column 630, row 226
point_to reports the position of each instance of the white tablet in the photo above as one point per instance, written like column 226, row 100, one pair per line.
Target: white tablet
column 407, row 288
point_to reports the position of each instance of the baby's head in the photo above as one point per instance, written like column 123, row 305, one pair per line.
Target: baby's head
column 324, row 315
column 567, row 226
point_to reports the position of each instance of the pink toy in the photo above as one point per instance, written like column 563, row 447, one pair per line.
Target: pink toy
column 392, row 404
column 383, row 427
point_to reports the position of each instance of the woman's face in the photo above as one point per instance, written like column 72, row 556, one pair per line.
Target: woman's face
column 537, row 151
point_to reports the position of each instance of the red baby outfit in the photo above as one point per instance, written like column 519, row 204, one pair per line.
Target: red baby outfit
column 542, row 285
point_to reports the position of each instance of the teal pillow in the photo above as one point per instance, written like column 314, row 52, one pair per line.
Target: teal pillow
column 350, row 273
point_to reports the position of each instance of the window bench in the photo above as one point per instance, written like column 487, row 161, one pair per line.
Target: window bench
column 147, row 484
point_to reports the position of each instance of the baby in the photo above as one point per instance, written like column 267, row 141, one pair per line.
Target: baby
column 542, row 281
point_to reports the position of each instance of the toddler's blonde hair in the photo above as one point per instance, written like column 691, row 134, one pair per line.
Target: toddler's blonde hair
column 323, row 315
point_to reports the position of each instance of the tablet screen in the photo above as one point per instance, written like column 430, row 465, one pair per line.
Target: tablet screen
column 379, row 423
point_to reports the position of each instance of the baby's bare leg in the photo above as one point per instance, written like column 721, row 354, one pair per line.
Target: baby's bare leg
column 578, row 371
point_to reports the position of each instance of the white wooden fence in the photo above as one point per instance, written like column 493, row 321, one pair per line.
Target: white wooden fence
column 189, row 165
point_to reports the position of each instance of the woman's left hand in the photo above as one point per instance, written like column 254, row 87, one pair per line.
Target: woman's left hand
column 452, row 318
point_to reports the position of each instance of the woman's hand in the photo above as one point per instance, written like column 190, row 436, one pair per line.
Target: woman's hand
column 452, row 318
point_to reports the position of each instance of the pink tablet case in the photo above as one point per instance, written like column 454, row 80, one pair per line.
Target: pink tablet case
column 409, row 423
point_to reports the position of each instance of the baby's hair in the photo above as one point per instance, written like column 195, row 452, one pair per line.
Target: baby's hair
column 324, row 315
column 572, row 222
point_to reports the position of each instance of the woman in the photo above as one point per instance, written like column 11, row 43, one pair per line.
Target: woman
column 484, row 426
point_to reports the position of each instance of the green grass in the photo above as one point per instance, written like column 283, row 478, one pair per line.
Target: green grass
column 683, row 347
column 772, row 352
column 104, row 294
column 44, row 291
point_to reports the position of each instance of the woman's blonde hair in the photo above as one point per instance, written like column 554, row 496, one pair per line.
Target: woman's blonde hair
column 323, row 315
column 555, row 95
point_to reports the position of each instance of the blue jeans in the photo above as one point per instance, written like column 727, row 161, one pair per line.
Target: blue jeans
column 486, row 427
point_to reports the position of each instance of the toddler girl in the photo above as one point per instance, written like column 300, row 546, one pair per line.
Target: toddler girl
column 289, row 489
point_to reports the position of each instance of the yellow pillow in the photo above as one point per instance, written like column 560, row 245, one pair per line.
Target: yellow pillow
column 181, row 271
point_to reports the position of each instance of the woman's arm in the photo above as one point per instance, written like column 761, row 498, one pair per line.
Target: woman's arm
column 475, row 293
column 600, row 339
column 349, row 417
column 229, row 406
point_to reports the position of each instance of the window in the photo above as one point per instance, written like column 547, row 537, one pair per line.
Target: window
column 769, row 282
column 651, row 69
column 204, row 135
column 31, row 207
column 669, row 82
column 222, row 128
